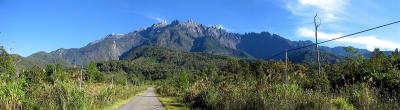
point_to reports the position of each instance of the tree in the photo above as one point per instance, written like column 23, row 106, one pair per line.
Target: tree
column 7, row 69
column 55, row 72
column 353, row 56
column 395, row 59
column 378, row 60
column 93, row 74
column 396, row 51
column 316, row 41
column 183, row 81
column 35, row 75
column 11, row 87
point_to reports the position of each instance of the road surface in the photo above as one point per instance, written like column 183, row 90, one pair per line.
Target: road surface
column 147, row 101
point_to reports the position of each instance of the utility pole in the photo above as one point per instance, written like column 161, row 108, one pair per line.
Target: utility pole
column 316, row 42
column 112, row 80
column 286, row 69
column 81, row 79
column 126, row 82
column 55, row 69
column 15, row 65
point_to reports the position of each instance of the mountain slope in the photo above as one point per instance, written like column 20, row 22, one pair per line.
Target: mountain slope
column 40, row 59
column 264, row 44
column 186, row 36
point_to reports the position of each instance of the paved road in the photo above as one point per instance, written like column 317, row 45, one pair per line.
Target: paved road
column 147, row 101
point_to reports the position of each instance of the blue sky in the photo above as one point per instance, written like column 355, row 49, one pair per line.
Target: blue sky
column 29, row 26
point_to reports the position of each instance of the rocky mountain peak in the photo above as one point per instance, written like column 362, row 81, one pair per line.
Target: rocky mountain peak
column 188, row 23
column 191, row 23
column 175, row 22
column 109, row 36
column 160, row 24
column 186, row 36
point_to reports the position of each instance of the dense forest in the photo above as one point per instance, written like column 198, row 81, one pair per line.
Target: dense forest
column 205, row 81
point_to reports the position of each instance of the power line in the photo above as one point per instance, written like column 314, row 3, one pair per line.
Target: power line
column 348, row 35
column 361, row 32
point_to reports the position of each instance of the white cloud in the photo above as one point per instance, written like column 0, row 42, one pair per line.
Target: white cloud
column 219, row 26
column 326, row 5
column 158, row 19
column 328, row 9
column 370, row 42
column 340, row 16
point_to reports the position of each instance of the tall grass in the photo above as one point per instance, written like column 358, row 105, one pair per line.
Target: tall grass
column 30, row 91
column 109, row 95
column 68, row 96
column 235, row 92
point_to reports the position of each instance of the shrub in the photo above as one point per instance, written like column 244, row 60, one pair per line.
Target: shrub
column 60, row 95
column 341, row 104
column 11, row 94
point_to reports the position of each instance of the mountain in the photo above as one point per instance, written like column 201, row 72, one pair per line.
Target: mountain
column 181, row 36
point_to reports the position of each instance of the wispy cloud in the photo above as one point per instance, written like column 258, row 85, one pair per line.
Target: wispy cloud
column 222, row 27
column 329, row 9
column 338, row 16
column 370, row 42
column 158, row 19
column 225, row 28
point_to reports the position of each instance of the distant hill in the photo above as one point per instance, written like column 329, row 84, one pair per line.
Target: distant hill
column 165, row 54
column 40, row 59
column 185, row 36
column 156, row 62
column 50, row 59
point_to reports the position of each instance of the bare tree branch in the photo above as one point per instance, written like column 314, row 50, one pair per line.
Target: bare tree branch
column 316, row 41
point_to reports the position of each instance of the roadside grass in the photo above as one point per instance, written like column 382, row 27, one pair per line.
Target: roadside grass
column 172, row 103
column 120, row 103
column 112, row 104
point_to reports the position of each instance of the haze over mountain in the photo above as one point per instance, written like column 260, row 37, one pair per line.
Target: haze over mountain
column 186, row 36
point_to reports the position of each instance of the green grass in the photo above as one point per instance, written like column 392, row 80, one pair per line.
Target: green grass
column 172, row 103
column 120, row 103
column 103, row 98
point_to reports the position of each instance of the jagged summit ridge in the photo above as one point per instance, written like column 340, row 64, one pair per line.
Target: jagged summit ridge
column 109, row 36
column 187, row 36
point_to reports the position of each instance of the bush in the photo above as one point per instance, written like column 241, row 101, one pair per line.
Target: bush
column 93, row 74
column 60, row 95
column 176, row 85
column 11, row 94
column 341, row 104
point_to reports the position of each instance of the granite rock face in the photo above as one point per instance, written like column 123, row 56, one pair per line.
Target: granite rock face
column 187, row 36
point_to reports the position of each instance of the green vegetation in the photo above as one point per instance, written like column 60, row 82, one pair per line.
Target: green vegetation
column 58, row 88
column 172, row 103
column 352, row 83
column 203, row 81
